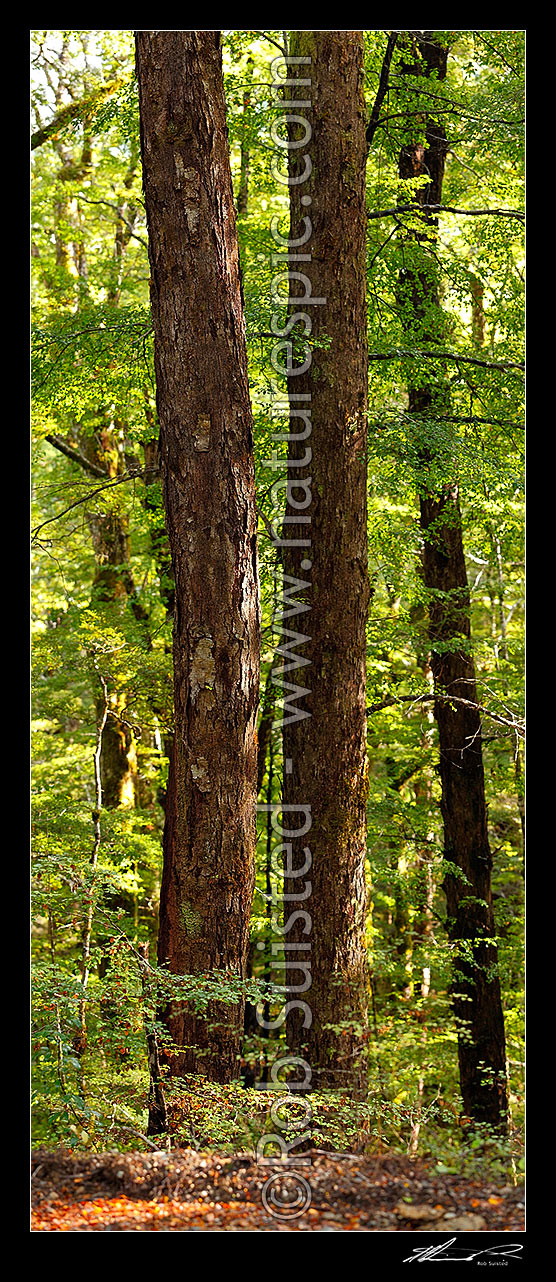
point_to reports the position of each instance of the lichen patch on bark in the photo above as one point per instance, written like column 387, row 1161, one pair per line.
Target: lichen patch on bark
column 200, row 775
column 203, row 668
column 201, row 434
column 192, row 920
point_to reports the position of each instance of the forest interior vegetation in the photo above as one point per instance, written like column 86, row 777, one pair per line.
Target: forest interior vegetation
column 278, row 570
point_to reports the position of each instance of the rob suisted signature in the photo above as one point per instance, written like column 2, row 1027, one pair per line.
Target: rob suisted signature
column 447, row 1251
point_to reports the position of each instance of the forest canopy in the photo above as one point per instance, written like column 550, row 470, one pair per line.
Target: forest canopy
column 278, row 591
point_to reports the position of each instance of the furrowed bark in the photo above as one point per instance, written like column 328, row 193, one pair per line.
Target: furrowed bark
column 327, row 749
column 206, row 452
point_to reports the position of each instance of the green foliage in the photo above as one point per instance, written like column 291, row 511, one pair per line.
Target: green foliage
column 100, row 611
column 96, row 359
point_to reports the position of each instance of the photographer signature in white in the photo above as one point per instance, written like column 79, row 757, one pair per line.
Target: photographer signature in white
column 447, row 1251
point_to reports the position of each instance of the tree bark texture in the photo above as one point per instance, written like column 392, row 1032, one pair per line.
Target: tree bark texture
column 470, row 919
column 206, row 451
column 325, row 753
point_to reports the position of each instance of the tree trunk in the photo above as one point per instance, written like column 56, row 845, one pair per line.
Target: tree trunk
column 325, row 765
column 103, row 450
column 113, row 586
column 206, row 451
column 243, row 191
column 470, row 920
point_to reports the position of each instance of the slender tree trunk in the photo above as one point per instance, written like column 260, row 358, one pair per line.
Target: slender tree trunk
column 243, row 191
column 264, row 749
column 206, row 450
column 113, row 582
column 422, row 933
column 80, row 1043
column 127, row 215
column 471, row 928
column 113, row 586
column 158, row 1116
column 102, row 453
column 325, row 752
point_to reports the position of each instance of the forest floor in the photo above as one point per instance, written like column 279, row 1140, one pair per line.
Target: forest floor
column 185, row 1191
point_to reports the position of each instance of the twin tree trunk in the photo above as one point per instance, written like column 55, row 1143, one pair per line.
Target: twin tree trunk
column 470, row 919
column 325, row 753
column 207, row 463
column 206, row 449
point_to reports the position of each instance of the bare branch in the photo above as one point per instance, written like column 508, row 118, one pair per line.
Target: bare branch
column 283, row 48
column 382, row 88
column 118, row 210
column 401, row 353
column 75, row 455
column 129, row 476
column 392, row 700
column 445, row 209
column 472, row 419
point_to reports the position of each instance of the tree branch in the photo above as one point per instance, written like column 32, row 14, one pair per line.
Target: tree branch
column 75, row 455
column 475, row 418
column 130, row 476
column 455, row 418
column 117, row 209
column 382, row 88
column 283, row 48
column 401, row 353
column 445, row 209
column 74, row 111
column 391, row 700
